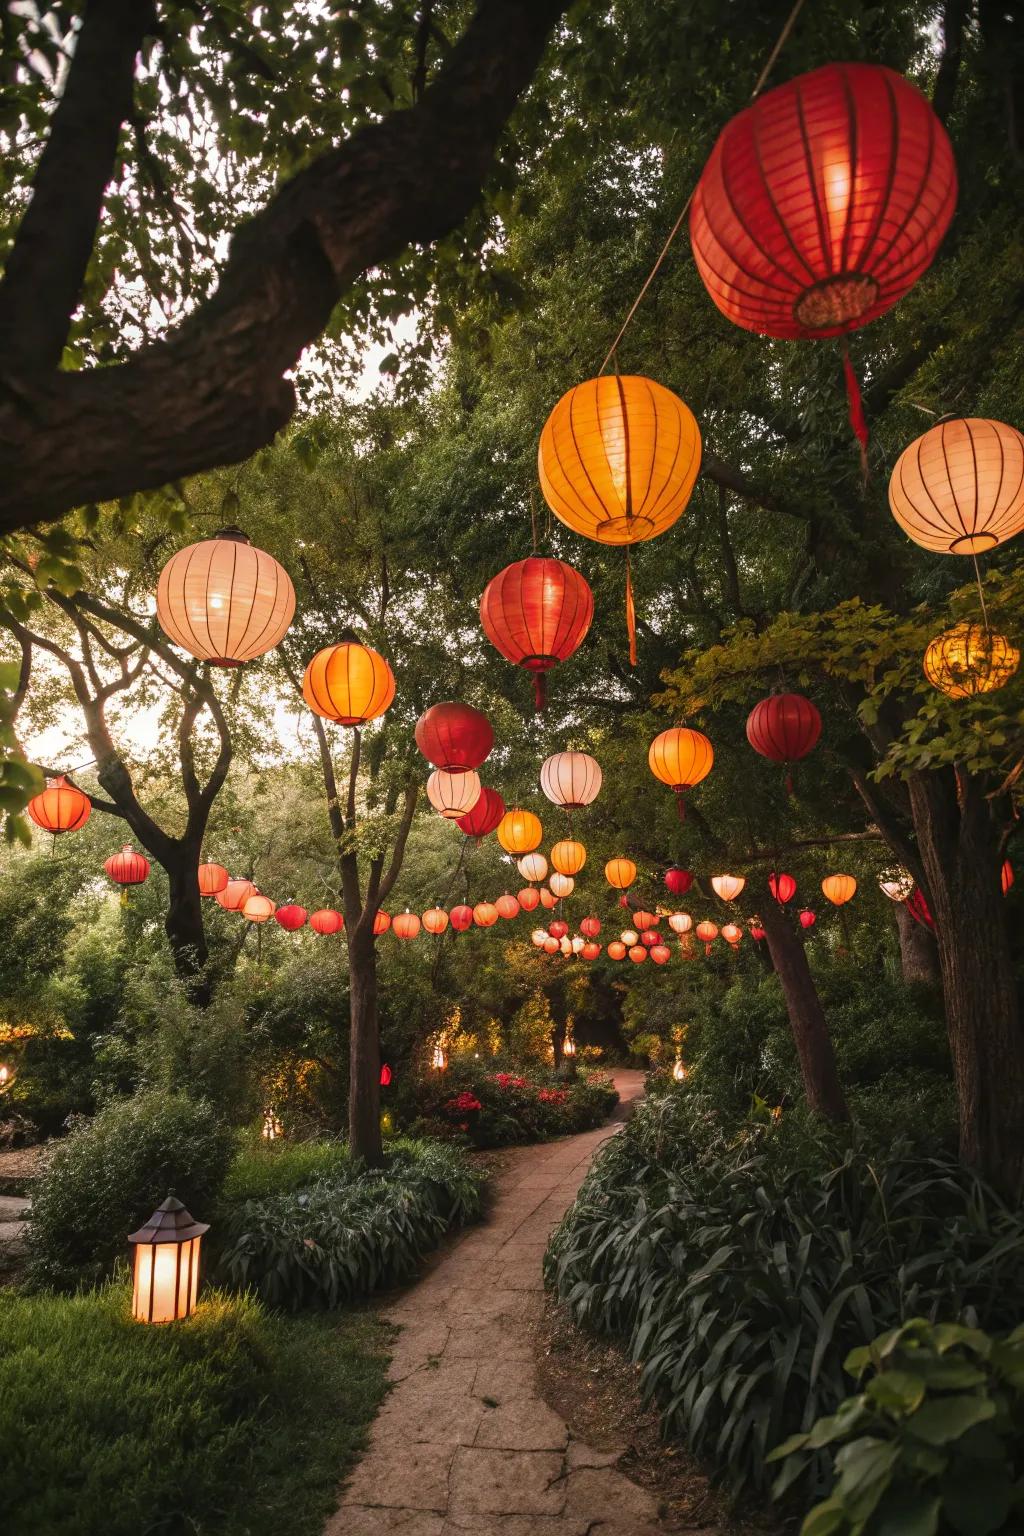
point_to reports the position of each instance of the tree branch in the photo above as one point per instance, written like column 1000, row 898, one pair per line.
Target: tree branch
column 398, row 852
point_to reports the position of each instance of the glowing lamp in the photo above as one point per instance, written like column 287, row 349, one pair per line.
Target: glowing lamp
column 507, row 907
column 381, row 922
column 568, row 1046
column 568, row 856
column 290, row 917
column 485, row 914
column 439, row 1058
column 212, row 879
column 638, row 954
column 235, row 895
column 548, row 898
column 616, row 950
column 571, row 779
column 642, row 920
column 562, row 885
column 680, row 922
column 558, row 929
column 679, row 1071
column 519, row 831
column 629, row 936
column 896, row 883
column 349, row 684
column 532, row 866
column 258, row 908
column 620, row 873
column 224, row 601
column 435, row 920
column 272, row 1129
column 807, row 919
column 590, row 950
column 528, row 898
column 677, row 880
column 839, row 889
column 728, row 887
column 590, row 927
column 461, row 918
column 707, row 933
column 661, row 954
column 326, row 921
column 454, row 794
column 959, row 489
column 166, row 1264
column 732, row 934
column 782, row 887
column 385, row 1075
column 966, row 660
column 680, row 757
column 406, row 925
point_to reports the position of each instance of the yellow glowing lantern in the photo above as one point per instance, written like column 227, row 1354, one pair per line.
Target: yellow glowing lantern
column 568, row 856
column 679, row 1071
column 519, row 831
column 896, row 883
column 967, row 660
column 727, row 886
column 224, row 601
column 453, row 794
column 562, row 885
column 166, row 1264
column 680, row 757
column 620, row 873
column 569, row 1046
column 349, row 684
column 839, row 889
column 959, row 489
column 439, row 1059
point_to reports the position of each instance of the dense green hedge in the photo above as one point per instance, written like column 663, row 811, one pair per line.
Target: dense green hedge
column 741, row 1268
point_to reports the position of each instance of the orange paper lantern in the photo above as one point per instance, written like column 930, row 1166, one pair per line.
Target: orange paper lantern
column 680, row 757
column 528, row 898
column 235, row 895
column 381, row 922
column 60, row 808
column 406, row 925
column 548, row 899
column 519, row 831
column 485, row 914
column 507, row 906
column 590, row 950
column 258, row 908
column 326, row 921
column 224, row 601
column 967, row 660
column 637, row 954
column 348, row 683
column 728, row 887
column 568, row 857
column 620, row 873
column 707, row 933
column 212, row 879
column 616, row 950
column 839, row 889
column 661, row 954
column 435, row 920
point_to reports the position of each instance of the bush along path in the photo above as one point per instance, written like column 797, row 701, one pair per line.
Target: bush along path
column 465, row 1443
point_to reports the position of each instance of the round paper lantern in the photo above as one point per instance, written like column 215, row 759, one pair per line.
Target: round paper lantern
column 590, row 927
column 823, row 202
column 807, row 919
column 1005, row 879
column 680, row 757
column 385, row 1075
column 568, row 857
column 235, row 895
column 381, row 922
column 562, row 885
column 620, row 873
column 571, row 779
column 959, row 488
column 538, row 937
column 966, row 660
column 784, row 728
column 485, row 815
column 565, row 946
column 661, row 954
column 590, row 951
column 519, row 831
column 732, row 934
column 638, row 954
column 528, row 898
column 224, row 601
column 918, row 908
column 558, row 929
column 435, row 920
column 326, row 921
column 536, row 612
column 532, row 866
column 677, row 880
column 839, row 889
column 782, row 887
column 485, row 914
column 707, row 933
column 680, row 922
column 454, row 736
column 348, row 683
column 212, row 879
column 616, row 950
column 60, row 808
column 548, row 898
column 453, row 794
column 618, row 458
column 127, row 867
column 642, row 920
column 629, row 936
column 258, row 908
column 728, row 887
column 507, row 907
column 896, row 883
column 290, row 917
column 757, row 933
column 461, row 918
column 406, row 925
column 550, row 945
column 650, row 937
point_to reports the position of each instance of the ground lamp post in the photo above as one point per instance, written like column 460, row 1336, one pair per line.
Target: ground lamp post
column 166, row 1264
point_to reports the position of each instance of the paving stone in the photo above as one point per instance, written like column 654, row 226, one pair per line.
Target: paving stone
column 522, row 1424
column 363, row 1520
column 497, row 1482
column 410, row 1476
column 607, row 1490
column 502, row 1380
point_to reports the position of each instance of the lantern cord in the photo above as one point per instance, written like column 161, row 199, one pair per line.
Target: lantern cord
column 981, row 595
column 533, row 521
column 857, row 418
column 780, row 43
column 630, row 610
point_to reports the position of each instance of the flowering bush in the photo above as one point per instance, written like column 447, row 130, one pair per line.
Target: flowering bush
column 499, row 1109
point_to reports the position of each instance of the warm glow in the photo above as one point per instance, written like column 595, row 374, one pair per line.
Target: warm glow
column 212, row 879
column 966, row 660
column 272, row 1127
column 235, row 894
column 732, row 934
column 519, row 831
column 679, row 1071
column 629, row 936
column 453, row 794
column 568, row 856
column 439, row 1059
column 897, row 883
column 562, row 885
column 620, row 873
column 258, row 908
column 727, row 886
column 166, row 1264
column 224, row 601
column 680, row 922
column 485, row 914
column 508, row 907
column 406, row 925
column 571, row 779
column 680, row 757
column 707, row 933
column 533, row 866
column 435, row 920
column 616, row 950
column 60, row 808
column 349, row 684
column 959, row 489
column 839, row 889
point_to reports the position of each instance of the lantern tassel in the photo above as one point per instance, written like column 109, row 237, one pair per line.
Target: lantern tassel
column 540, row 691
column 858, row 421
column 680, row 805
column 630, row 612
column 789, row 783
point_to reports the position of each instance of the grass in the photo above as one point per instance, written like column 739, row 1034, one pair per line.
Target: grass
column 261, row 1168
column 237, row 1423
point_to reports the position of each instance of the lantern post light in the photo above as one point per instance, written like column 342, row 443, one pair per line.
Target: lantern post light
column 272, row 1127
column 439, row 1059
column 569, row 1046
column 679, row 1070
column 6, row 1076
column 166, row 1264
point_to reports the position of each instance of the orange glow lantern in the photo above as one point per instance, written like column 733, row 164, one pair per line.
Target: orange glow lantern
column 620, row 873
column 213, row 878
column 568, row 857
column 571, row 779
column 532, row 866
column 519, row 831
column 435, row 920
column 839, row 889
column 406, row 925
column 127, row 867
column 224, row 601
column 679, row 1071
column 381, row 922
column 258, row 908
column 590, row 927
column 166, row 1264
column 507, row 906
column 680, row 757
column 528, row 898
column 590, row 950
column 348, row 683
column 661, row 954
column 638, row 954
column 548, row 899
column 616, row 950
column 485, row 914
column 461, row 918
column 61, row 807
column 326, row 921
column 732, row 933
column 644, row 920
column 453, row 794
column 551, row 945
column 967, row 660
column 728, row 887
column 707, row 933
column 235, row 895
column 959, row 489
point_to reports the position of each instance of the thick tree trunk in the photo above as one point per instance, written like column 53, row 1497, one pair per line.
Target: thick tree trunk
column 919, row 957
column 364, row 1047
column 806, row 1015
column 184, row 928
column 959, row 843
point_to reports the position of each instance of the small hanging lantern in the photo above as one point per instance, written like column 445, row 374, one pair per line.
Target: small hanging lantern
column 62, row 807
column 562, row 885
column 533, row 866
column 677, row 880
column 638, row 954
column 959, row 489
column 454, row 737
column 782, row 887
column 807, row 919
column 548, row 898
column 551, row 945
column 680, row 922
column 660, row 954
column 565, row 946
column 967, row 660
column 291, row 917
column 485, row 914
column 707, row 932
column 349, row 684
column 537, row 937
column 235, row 895
column 224, row 601
column 571, row 779
column 453, row 794
column 507, row 906
column 896, row 883
column 728, row 887
column 680, row 757
column 620, row 873
column 257, row 908
column 784, row 728
column 385, row 1075
column 485, row 815
column 558, row 929
column 461, row 918
column 839, row 889
column 1005, row 878
column 435, row 920
column 757, row 933
column 212, row 879
column 326, row 921
column 406, row 925
column 642, row 920
column 650, row 937
column 166, row 1264
column 528, row 898
column 568, row 856
column 520, row 831
column 732, row 933
column 590, row 927
column 127, row 868
column 381, row 922
column 536, row 613
column 590, row 950
column 616, row 950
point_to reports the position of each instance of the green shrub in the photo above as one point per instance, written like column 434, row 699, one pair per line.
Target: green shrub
column 741, row 1268
column 111, row 1173
column 934, row 1442
column 351, row 1233
column 262, row 1168
column 498, row 1109
column 233, row 1422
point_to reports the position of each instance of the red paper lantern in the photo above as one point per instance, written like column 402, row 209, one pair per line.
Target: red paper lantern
column 590, row 951
column 707, row 932
column 558, row 929
column 590, row 927
column 918, row 908
column 127, row 867
column 782, row 887
column 784, row 728
column 485, row 914
column 507, row 907
column 637, row 954
column 485, row 815
column 385, row 1075
column 435, row 920
column 381, row 922
column 212, row 879
column 454, row 736
column 60, row 808
column 678, row 880
column 661, row 954
column 406, row 925
column 536, row 612
column 757, row 933
column 548, row 899
column 290, row 917
column 1006, row 877
column 650, row 937
column 807, row 919
column 528, row 898
column 461, row 918
column 326, row 921
column 823, row 202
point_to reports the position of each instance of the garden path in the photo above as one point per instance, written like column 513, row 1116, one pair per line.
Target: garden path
column 465, row 1445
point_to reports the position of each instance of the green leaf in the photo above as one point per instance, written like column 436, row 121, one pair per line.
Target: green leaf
column 944, row 1419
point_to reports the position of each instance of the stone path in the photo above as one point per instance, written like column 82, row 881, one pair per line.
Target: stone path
column 465, row 1445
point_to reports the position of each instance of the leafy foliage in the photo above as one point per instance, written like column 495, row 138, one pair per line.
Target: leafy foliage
column 493, row 1108
column 932, row 1442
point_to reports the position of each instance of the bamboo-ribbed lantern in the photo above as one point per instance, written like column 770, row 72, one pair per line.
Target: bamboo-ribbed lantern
column 326, row 921
column 508, row 907
column 127, row 867
column 224, row 601
column 839, row 889
column 617, row 462
column 461, row 918
column 406, row 925
column 381, row 922
column 707, row 932
column 728, row 887
column 590, row 927
column 454, row 736
column 235, row 895
column 258, row 908
column 568, row 856
column 565, row 945
column 166, row 1264
column 571, row 779
column 620, row 873
column 642, row 920
column 485, row 815
column 536, row 612
column 562, row 885
column 784, row 728
column 453, row 794
column 435, row 920
column 519, row 831
column 590, row 950
column 485, row 914
column 680, row 757
column 558, row 929
column 212, row 879
column 732, row 933
column 533, row 866
column 782, row 887
column 967, row 660
column 550, row 945
column 348, row 683
column 680, row 922
column 290, row 917
column 528, row 898
column 677, row 880
column 959, row 488
column 61, row 807
column 616, row 950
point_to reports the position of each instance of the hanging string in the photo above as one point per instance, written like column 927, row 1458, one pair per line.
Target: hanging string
column 981, row 595
column 780, row 43
column 533, row 521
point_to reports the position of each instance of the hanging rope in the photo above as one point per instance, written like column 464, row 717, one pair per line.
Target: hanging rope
column 984, row 610
column 780, row 43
